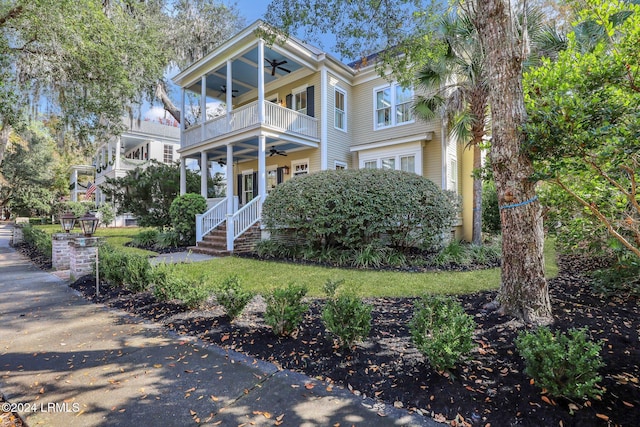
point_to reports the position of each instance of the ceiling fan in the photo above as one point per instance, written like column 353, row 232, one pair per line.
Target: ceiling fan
column 223, row 89
column 222, row 162
column 273, row 151
column 275, row 64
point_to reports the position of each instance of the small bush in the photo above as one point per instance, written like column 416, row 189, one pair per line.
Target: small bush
column 37, row 239
column 564, row 364
column 442, row 331
column 170, row 285
column 368, row 257
column 285, row 309
column 490, row 209
column 145, row 239
column 345, row 315
column 183, row 213
column 167, row 239
column 106, row 213
column 137, row 272
column 232, row 297
column 112, row 265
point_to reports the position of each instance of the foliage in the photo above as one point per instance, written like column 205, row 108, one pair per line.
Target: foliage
column 146, row 238
column 563, row 364
column 442, row 331
column 345, row 315
column 76, row 208
column 490, row 209
column 106, row 214
column 37, row 239
column 584, row 126
column 167, row 239
column 148, row 193
column 25, row 187
column 169, row 285
column 183, row 211
column 232, row 297
column 622, row 277
column 354, row 208
column 119, row 268
column 285, row 309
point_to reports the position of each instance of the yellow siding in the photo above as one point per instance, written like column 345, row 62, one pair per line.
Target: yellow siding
column 432, row 160
column 338, row 141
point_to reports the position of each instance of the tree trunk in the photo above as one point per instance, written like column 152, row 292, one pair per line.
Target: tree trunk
column 523, row 290
column 161, row 94
column 476, row 235
column 4, row 139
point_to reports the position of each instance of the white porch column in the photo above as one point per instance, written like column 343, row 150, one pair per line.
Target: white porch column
column 229, row 93
column 261, row 81
column 204, row 174
column 230, row 180
column 183, row 175
column 109, row 153
column 74, row 178
column 324, row 111
column 183, row 120
column 262, row 167
column 203, row 105
column 116, row 162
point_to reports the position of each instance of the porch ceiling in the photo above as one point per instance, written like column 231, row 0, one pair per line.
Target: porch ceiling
column 244, row 73
column 248, row 149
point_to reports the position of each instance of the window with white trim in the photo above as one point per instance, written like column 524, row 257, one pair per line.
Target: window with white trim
column 300, row 101
column 408, row 163
column 168, row 153
column 272, row 178
column 338, row 165
column 371, row 164
column 340, row 110
column 393, row 106
column 454, row 175
column 300, row 168
column 389, row 163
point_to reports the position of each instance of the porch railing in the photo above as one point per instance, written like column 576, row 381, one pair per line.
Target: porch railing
column 276, row 116
column 210, row 219
column 244, row 218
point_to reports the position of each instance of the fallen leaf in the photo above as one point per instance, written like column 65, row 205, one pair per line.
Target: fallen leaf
column 603, row 417
column 630, row 405
column 308, row 386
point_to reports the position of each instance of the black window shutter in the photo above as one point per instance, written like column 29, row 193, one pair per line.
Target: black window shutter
column 289, row 101
column 239, row 189
column 310, row 102
column 279, row 175
column 255, row 184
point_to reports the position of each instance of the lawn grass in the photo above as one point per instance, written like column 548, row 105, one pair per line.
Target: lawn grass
column 115, row 236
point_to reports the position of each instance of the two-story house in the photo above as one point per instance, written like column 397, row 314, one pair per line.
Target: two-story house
column 292, row 109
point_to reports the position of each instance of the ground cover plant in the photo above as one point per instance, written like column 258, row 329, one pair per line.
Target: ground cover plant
column 491, row 388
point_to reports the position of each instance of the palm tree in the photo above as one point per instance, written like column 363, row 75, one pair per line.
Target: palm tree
column 456, row 85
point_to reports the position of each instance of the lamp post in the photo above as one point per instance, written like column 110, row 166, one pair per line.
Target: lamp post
column 67, row 221
column 89, row 223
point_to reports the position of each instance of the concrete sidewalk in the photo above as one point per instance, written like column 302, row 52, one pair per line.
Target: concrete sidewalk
column 66, row 362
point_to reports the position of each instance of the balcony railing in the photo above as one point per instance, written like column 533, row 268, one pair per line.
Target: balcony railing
column 277, row 117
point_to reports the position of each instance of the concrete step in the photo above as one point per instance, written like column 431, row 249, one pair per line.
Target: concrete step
column 209, row 251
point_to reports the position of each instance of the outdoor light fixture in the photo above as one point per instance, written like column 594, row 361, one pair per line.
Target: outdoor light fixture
column 67, row 221
column 89, row 223
column 285, row 170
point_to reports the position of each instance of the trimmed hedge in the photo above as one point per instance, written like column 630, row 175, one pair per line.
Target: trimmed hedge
column 355, row 208
column 183, row 213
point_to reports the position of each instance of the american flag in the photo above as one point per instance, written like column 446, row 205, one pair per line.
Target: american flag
column 91, row 188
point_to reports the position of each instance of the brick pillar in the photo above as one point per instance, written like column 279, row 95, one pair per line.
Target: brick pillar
column 18, row 234
column 82, row 256
column 60, row 251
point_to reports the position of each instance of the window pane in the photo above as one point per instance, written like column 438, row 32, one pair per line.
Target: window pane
column 389, row 163
column 371, row 164
column 339, row 100
column 383, row 98
column 339, row 122
column 408, row 164
column 403, row 95
column 384, row 117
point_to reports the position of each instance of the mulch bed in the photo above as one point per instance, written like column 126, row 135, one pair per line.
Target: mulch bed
column 490, row 389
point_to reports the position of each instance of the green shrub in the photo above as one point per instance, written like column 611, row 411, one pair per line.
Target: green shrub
column 285, row 309
column 345, row 315
column 350, row 209
column 112, row 264
column 564, row 364
column 145, row 239
column 490, row 209
column 442, row 331
column 76, row 208
column 232, row 297
column 183, row 213
column 37, row 239
column 169, row 285
column 106, row 213
column 137, row 272
column 370, row 256
column 167, row 239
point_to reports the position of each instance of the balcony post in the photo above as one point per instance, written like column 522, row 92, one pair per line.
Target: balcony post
column 261, row 81
column 229, row 94
column 262, row 167
column 230, row 180
column 116, row 162
column 183, row 120
column 204, row 174
column 203, row 106
column 183, row 175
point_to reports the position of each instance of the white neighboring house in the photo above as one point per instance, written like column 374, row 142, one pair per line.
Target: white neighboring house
column 135, row 147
